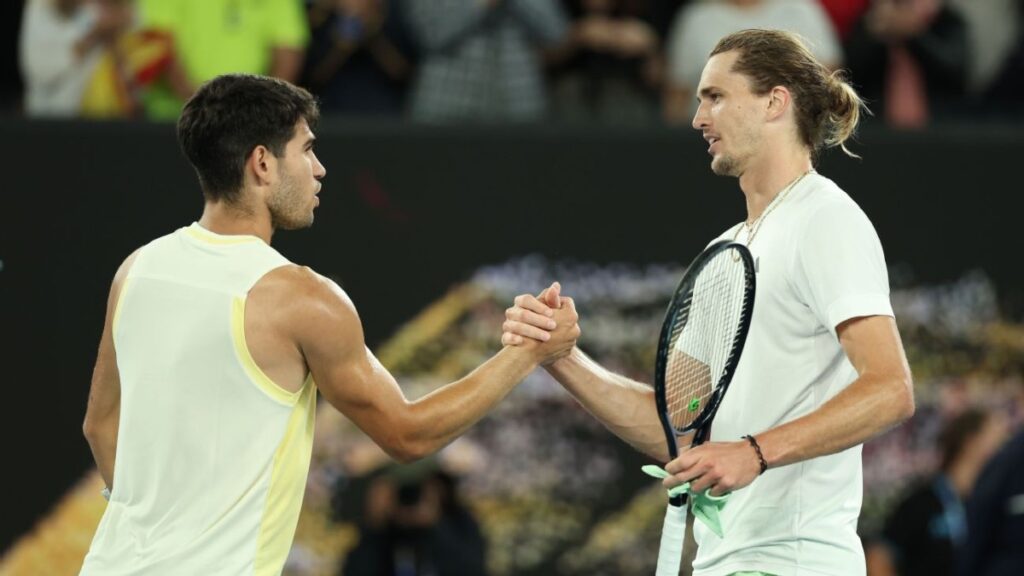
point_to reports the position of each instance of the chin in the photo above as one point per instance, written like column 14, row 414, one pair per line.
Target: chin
column 724, row 166
column 294, row 223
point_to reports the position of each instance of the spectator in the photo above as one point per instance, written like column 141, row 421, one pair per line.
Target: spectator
column 993, row 28
column 61, row 43
column 480, row 59
column 213, row 37
column 414, row 523
column 130, row 61
column 911, row 56
column 358, row 60
column 699, row 26
column 610, row 67
column 1006, row 90
column 927, row 530
column 844, row 14
column 995, row 514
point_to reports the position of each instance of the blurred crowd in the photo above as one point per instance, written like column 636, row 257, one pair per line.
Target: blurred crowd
column 448, row 61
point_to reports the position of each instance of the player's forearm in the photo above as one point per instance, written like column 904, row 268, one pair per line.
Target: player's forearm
column 869, row 406
column 624, row 406
column 446, row 413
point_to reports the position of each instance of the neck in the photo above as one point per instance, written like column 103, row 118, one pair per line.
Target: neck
column 769, row 176
column 231, row 220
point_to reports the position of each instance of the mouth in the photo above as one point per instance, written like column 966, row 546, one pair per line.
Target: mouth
column 711, row 140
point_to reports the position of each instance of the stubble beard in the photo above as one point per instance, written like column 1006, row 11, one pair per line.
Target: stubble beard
column 287, row 208
column 725, row 165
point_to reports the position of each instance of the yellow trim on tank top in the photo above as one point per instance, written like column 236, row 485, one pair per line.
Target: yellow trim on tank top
column 199, row 233
column 287, row 486
column 255, row 373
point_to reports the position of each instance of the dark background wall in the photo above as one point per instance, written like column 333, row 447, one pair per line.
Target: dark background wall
column 406, row 212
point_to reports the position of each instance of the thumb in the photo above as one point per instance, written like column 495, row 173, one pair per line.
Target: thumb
column 552, row 296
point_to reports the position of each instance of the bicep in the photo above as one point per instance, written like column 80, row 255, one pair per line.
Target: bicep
column 873, row 346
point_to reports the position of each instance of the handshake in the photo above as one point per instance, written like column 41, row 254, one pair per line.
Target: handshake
column 545, row 325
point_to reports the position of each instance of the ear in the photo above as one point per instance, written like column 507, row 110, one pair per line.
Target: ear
column 262, row 164
column 779, row 102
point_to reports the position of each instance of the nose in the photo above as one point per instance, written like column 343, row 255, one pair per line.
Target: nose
column 700, row 118
column 318, row 170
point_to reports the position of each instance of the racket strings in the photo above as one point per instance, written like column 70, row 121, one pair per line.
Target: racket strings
column 703, row 338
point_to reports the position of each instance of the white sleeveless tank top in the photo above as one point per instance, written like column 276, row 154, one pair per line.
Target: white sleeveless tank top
column 212, row 456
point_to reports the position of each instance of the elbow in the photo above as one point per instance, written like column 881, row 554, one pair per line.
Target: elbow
column 905, row 405
column 93, row 432
column 407, row 452
column 89, row 430
column 406, row 448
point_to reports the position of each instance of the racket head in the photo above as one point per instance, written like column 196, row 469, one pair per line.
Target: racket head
column 723, row 277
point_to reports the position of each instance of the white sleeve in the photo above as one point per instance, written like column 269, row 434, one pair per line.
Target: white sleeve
column 839, row 268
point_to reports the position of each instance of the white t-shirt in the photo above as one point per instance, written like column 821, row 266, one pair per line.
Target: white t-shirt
column 54, row 77
column 698, row 28
column 819, row 263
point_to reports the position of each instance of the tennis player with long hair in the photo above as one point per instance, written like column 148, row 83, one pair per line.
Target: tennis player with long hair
column 823, row 368
column 201, row 410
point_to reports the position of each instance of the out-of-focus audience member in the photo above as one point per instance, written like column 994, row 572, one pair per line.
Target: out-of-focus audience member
column 213, row 37
column 1006, row 91
column 844, row 14
column 993, row 29
column 925, row 533
column 995, row 513
column 359, row 60
column 610, row 67
column 480, row 60
column 414, row 522
column 698, row 27
column 130, row 62
column 60, row 45
column 911, row 57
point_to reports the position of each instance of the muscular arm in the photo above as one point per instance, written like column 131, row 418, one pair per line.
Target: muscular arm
column 626, row 407
column 104, row 409
column 330, row 336
column 880, row 398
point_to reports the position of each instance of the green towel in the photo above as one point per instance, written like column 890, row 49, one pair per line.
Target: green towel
column 705, row 507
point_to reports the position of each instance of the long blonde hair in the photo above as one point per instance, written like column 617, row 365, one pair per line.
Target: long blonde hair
column 827, row 108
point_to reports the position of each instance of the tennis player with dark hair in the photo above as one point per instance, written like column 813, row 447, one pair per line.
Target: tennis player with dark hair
column 823, row 368
column 201, row 410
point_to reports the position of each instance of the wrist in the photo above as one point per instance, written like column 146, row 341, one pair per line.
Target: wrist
column 560, row 364
column 761, row 462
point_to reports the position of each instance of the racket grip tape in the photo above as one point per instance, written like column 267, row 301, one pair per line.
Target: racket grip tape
column 673, row 532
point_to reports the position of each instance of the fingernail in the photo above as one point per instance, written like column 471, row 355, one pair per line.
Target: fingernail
column 546, row 337
column 552, row 325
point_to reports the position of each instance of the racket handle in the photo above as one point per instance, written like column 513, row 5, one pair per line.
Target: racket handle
column 670, row 555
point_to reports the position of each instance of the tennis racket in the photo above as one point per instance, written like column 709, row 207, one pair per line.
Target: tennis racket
column 700, row 345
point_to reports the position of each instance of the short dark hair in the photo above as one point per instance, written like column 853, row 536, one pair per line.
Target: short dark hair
column 231, row 115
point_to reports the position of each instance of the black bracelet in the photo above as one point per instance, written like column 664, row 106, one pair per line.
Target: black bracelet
column 760, row 457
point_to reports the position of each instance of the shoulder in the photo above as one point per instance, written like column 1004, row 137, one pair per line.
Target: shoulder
column 302, row 298
column 823, row 204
